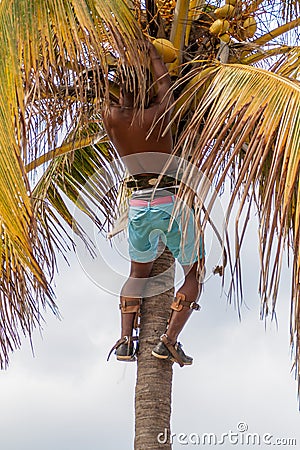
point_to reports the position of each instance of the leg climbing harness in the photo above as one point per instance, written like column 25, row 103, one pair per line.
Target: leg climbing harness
column 165, row 349
column 125, row 349
column 129, row 305
column 180, row 302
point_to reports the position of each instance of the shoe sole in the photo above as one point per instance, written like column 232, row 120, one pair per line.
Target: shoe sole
column 170, row 358
column 157, row 355
column 126, row 358
column 185, row 363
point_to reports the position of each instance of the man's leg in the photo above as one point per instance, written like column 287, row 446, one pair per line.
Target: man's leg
column 133, row 289
column 130, row 299
column 182, row 308
column 190, row 292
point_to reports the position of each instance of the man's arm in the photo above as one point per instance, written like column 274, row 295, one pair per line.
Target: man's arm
column 161, row 77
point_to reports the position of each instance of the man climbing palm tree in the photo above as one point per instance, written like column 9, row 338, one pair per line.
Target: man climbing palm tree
column 140, row 141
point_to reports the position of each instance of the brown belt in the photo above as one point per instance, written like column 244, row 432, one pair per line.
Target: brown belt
column 147, row 181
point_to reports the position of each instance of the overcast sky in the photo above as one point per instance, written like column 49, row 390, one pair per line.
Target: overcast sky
column 68, row 397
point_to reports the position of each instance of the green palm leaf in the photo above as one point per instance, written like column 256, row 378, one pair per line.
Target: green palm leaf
column 81, row 177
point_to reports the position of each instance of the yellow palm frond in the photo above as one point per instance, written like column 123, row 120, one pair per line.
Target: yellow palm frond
column 24, row 264
column 92, row 139
column 262, row 54
column 290, row 8
column 59, row 55
column 285, row 9
column 177, row 36
column 289, row 64
column 270, row 35
column 247, row 125
column 54, row 59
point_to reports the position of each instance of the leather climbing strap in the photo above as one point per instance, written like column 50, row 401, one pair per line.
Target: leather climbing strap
column 179, row 302
column 165, row 340
column 123, row 340
column 129, row 305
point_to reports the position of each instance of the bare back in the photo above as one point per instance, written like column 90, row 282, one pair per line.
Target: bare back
column 135, row 132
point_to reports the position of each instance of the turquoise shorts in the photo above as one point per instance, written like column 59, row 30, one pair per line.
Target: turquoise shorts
column 147, row 224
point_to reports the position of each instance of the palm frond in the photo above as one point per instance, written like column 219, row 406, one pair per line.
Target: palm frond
column 178, row 30
column 55, row 56
column 285, row 10
column 67, row 147
column 60, row 53
column 263, row 54
column 24, row 264
column 247, row 126
column 270, row 35
column 289, row 64
column 86, row 177
column 290, row 8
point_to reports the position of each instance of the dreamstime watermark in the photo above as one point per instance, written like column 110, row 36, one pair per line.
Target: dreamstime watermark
column 108, row 269
column 239, row 437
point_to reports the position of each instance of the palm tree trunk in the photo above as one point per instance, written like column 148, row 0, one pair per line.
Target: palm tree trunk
column 154, row 377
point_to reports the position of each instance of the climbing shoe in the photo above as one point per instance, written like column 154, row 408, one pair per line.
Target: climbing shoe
column 124, row 349
column 174, row 353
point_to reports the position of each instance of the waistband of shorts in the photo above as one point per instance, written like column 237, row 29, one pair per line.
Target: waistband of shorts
column 154, row 202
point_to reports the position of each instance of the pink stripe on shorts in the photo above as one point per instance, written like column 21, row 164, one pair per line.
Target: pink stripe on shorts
column 156, row 201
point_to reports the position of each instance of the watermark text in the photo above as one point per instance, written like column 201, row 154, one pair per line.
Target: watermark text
column 240, row 436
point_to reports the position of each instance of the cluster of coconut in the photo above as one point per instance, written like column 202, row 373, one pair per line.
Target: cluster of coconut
column 229, row 15
column 165, row 49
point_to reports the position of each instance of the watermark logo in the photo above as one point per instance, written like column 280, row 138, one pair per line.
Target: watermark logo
column 239, row 437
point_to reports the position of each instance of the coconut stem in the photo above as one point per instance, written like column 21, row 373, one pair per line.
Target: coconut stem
column 178, row 32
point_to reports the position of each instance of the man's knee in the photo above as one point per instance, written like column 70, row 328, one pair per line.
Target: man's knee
column 140, row 270
column 195, row 272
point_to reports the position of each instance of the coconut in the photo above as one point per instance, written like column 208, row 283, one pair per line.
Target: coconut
column 216, row 26
column 225, row 38
column 250, row 27
column 165, row 49
column 224, row 11
column 225, row 27
column 219, row 26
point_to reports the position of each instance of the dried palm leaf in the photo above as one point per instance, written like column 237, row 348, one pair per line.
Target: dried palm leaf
column 247, row 126
column 289, row 64
column 54, row 64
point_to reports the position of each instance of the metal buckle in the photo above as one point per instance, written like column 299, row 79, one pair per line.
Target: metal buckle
column 152, row 181
column 195, row 306
column 177, row 301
